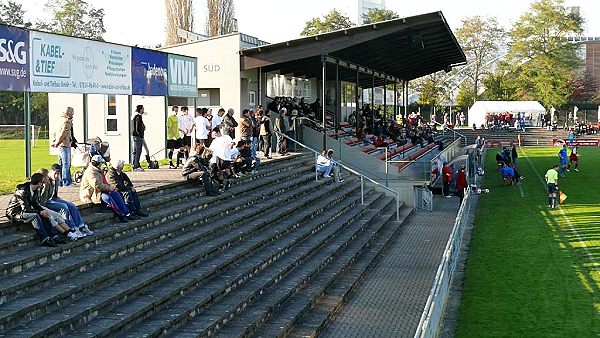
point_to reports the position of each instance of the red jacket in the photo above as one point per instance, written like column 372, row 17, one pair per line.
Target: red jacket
column 461, row 180
column 447, row 173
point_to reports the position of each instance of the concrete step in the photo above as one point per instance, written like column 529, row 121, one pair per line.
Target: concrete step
column 11, row 288
column 280, row 311
column 320, row 311
column 86, row 308
column 22, row 259
column 293, row 233
column 210, row 317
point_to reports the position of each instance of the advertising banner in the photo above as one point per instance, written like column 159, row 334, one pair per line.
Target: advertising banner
column 580, row 142
column 14, row 59
column 148, row 72
column 183, row 76
column 61, row 64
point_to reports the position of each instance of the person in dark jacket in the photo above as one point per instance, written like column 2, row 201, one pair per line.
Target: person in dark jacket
column 138, row 137
column 196, row 169
column 118, row 179
column 24, row 207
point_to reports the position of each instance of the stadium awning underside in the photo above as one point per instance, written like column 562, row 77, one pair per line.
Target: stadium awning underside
column 400, row 49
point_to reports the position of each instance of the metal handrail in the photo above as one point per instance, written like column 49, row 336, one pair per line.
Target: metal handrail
column 454, row 131
column 362, row 177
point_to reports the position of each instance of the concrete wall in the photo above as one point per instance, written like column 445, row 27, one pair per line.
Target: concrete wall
column 97, row 108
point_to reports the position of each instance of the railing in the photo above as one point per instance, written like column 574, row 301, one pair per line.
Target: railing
column 436, row 302
column 362, row 177
column 460, row 135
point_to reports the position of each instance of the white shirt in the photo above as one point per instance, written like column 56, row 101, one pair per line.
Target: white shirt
column 216, row 121
column 221, row 148
column 186, row 122
column 202, row 127
column 234, row 153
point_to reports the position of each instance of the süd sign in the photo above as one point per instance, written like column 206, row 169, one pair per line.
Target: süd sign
column 182, row 77
column 14, row 59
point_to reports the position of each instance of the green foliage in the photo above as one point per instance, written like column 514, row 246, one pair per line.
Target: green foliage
column 12, row 13
column 527, row 274
column 334, row 20
column 542, row 60
column 74, row 18
column 466, row 95
column 431, row 89
column 499, row 86
column 481, row 40
column 377, row 15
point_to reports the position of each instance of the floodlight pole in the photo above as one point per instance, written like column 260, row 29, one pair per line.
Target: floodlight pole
column 27, row 103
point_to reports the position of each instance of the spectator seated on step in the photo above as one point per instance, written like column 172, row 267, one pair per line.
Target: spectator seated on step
column 196, row 169
column 326, row 165
column 242, row 157
column 24, row 208
column 121, row 182
column 508, row 174
column 59, row 213
column 220, row 161
column 96, row 189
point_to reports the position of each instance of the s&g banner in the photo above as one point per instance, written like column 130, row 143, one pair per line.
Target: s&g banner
column 14, row 59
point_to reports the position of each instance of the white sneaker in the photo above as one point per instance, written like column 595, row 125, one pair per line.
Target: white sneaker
column 79, row 233
column 326, row 176
column 72, row 236
column 576, row 169
column 86, row 230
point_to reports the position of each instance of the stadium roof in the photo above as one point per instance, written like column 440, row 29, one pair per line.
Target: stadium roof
column 405, row 48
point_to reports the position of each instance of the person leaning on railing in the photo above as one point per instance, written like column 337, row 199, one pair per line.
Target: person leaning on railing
column 326, row 164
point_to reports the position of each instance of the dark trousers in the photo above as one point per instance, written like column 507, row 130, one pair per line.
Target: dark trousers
column 461, row 195
column 446, row 188
column 132, row 199
column 138, row 142
column 204, row 178
column 42, row 226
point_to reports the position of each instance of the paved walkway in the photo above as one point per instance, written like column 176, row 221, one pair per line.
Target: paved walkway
column 390, row 300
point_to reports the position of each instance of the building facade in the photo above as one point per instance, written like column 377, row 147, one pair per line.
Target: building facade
column 364, row 6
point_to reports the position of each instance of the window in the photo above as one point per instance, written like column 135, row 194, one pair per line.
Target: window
column 252, row 98
column 111, row 115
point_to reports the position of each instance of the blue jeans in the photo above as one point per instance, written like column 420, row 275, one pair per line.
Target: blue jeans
column 254, row 149
column 132, row 200
column 325, row 169
column 68, row 210
column 115, row 202
column 138, row 142
column 64, row 159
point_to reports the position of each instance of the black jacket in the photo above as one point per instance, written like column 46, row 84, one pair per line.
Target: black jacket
column 121, row 181
column 138, row 126
column 194, row 164
column 22, row 201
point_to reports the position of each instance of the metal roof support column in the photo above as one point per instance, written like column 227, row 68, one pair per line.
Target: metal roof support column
column 384, row 100
column 405, row 99
column 357, row 114
column 323, row 84
column 260, row 92
column 395, row 101
column 338, row 101
column 373, row 103
column 27, row 103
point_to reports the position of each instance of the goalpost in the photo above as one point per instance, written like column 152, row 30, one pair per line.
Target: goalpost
column 17, row 131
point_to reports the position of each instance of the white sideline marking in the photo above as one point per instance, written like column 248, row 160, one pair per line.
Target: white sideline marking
column 521, row 191
column 564, row 216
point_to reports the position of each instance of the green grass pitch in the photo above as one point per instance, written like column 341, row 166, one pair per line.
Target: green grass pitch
column 532, row 271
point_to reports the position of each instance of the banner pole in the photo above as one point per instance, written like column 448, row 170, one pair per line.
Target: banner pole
column 27, row 103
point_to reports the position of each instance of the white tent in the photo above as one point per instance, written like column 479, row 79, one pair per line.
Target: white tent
column 481, row 108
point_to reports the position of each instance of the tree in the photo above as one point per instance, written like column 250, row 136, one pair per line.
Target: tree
column 12, row 13
column 377, row 15
column 334, row 20
column 431, row 89
column 220, row 19
column 74, row 18
column 540, row 56
column 585, row 88
column 179, row 15
column 465, row 96
column 481, row 40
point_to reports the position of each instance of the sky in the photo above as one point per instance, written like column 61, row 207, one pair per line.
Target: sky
column 142, row 22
